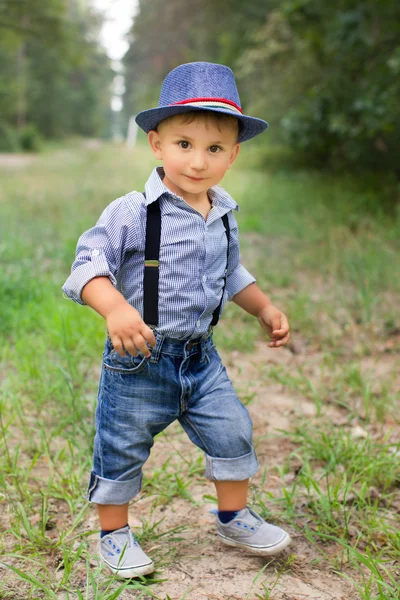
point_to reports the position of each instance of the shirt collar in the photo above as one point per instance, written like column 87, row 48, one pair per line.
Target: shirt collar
column 155, row 188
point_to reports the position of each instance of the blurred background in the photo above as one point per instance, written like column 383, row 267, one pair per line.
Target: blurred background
column 325, row 75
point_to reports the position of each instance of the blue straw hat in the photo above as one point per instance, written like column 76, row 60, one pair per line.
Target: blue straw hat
column 200, row 86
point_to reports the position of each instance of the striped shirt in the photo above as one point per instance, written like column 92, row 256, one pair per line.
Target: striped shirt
column 192, row 256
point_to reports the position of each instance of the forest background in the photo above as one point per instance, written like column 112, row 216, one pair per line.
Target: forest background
column 325, row 75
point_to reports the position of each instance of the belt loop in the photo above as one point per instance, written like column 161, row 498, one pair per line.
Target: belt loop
column 205, row 343
column 155, row 353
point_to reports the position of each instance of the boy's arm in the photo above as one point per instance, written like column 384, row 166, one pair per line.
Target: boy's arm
column 125, row 326
column 100, row 250
column 272, row 320
column 238, row 277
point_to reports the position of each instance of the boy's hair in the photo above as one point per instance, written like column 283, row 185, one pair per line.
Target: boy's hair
column 215, row 118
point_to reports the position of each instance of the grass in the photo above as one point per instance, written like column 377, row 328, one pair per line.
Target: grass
column 325, row 252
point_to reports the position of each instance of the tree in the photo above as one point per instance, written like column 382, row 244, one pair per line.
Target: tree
column 53, row 72
column 337, row 96
column 206, row 30
column 324, row 74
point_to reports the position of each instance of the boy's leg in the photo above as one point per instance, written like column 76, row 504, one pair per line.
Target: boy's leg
column 217, row 422
column 133, row 407
column 112, row 516
column 232, row 495
column 129, row 414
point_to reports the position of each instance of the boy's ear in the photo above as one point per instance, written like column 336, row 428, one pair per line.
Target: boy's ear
column 155, row 143
column 235, row 152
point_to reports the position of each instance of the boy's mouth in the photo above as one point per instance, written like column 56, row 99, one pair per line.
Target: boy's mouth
column 195, row 178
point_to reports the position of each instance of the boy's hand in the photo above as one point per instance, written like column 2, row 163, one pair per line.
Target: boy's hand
column 275, row 323
column 128, row 331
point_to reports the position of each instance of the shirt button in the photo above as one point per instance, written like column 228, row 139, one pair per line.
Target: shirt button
column 198, row 323
column 95, row 252
column 204, row 278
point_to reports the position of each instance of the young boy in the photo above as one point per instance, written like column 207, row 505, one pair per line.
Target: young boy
column 159, row 267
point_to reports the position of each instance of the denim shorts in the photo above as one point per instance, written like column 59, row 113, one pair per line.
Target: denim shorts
column 139, row 397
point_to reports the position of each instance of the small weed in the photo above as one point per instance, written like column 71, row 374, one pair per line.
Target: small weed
column 165, row 483
column 269, row 587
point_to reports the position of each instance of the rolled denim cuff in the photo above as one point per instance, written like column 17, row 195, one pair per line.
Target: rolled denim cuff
column 231, row 469
column 109, row 491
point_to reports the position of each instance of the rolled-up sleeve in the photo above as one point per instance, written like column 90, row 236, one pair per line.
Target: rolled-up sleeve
column 238, row 277
column 101, row 249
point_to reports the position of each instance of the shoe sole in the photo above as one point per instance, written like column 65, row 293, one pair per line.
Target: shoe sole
column 263, row 550
column 132, row 572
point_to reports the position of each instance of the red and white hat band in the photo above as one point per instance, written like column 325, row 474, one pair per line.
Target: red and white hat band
column 212, row 103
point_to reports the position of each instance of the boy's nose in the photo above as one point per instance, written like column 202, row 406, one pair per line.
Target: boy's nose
column 198, row 162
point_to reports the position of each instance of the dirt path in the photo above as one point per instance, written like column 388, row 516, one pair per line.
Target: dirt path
column 16, row 160
column 11, row 160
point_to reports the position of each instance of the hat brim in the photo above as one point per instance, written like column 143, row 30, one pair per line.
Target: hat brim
column 149, row 119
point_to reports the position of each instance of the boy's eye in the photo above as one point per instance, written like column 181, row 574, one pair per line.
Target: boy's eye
column 214, row 149
column 184, row 145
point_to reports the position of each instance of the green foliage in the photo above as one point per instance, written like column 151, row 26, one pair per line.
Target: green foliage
column 325, row 75
column 187, row 32
column 54, row 75
column 30, row 138
column 9, row 141
column 340, row 98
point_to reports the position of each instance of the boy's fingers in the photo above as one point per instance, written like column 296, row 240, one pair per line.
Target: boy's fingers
column 149, row 336
column 135, row 343
column 118, row 346
column 281, row 342
column 280, row 332
column 282, row 328
column 130, row 346
column 141, row 345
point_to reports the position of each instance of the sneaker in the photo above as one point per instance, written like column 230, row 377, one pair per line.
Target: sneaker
column 122, row 554
column 249, row 531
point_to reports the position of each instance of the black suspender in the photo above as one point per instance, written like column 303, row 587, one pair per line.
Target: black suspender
column 151, row 265
column 217, row 311
column 151, row 257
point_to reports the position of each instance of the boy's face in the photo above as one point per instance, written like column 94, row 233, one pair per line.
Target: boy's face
column 195, row 155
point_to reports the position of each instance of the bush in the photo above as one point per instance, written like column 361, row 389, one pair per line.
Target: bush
column 30, row 138
column 9, row 141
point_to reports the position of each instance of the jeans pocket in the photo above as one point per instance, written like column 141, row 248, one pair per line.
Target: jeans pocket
column 125, row 365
